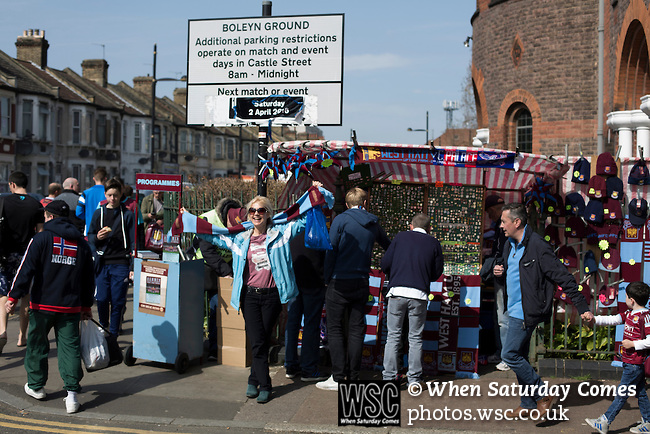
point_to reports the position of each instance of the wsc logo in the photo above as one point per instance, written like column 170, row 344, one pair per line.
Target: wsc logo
column 369, row 403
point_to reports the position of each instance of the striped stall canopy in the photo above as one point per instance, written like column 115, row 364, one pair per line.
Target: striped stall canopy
column 507, row 183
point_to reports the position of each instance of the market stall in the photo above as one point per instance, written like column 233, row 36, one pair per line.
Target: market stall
column 449, row 185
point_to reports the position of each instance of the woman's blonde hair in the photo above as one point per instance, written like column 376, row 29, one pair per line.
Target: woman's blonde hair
column 266, row 203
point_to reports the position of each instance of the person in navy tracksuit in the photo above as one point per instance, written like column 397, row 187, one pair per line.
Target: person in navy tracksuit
column 58, row 265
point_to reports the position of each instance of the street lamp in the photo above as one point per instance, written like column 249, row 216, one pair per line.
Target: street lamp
column 153, row 104
column 420, row 129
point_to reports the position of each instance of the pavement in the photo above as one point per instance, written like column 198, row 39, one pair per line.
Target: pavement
column 212, row 395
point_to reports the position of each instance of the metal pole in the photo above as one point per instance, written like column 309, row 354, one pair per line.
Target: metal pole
column 241, row 145
column 153, row 108
column 427, row 127
column 263, row 134
column 601, row 74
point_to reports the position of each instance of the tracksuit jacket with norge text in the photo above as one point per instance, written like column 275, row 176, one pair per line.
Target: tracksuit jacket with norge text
column 59, row 261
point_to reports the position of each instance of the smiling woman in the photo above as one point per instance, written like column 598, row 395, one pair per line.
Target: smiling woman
column 264, row 278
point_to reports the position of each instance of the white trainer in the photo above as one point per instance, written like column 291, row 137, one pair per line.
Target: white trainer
column 328, row 384
column 71, row 404
column 36, row 394
column 503, row 366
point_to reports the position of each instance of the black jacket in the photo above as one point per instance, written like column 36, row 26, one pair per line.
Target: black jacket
column 62, row 273
column 539, row 272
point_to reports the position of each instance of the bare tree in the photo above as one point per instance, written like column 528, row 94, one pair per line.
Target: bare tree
column 467, row 103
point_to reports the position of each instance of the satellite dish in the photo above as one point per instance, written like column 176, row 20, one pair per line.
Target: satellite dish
column 162, row 154
column 110, row 156
column 143, row 160
column 84, row 153
column 189, row 157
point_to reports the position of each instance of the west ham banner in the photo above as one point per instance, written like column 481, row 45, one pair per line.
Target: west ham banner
column 439, row 157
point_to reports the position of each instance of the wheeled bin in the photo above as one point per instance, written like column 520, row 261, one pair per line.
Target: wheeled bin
column 167, row 313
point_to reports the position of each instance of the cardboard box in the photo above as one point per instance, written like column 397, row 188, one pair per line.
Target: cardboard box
column 227, row 316
column 234, row 348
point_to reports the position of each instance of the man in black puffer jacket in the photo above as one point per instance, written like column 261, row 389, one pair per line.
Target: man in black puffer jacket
column 532, row 272
column 59, row 263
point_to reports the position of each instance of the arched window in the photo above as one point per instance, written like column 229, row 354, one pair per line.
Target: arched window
column 524, row 131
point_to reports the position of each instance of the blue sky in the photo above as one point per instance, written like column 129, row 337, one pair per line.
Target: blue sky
column 401, row 58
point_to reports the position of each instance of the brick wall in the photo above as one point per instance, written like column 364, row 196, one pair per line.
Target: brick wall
column 556, row 70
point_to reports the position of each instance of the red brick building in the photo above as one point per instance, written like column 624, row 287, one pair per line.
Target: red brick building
column 535, row 74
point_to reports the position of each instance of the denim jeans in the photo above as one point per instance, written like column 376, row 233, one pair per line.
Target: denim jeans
column 345, row 303
column 112, row 283
column 515, row 354
column 501, row 315
column 261, row 312
column 398, row 309
column 213, row 329
column 633, row 375
column 309, row 303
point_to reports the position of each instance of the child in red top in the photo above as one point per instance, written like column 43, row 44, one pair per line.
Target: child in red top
column 636, row 342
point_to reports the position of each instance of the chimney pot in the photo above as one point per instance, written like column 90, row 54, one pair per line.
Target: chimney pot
column 32, row 48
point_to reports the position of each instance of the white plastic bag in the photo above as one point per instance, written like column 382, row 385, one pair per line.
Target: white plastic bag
column 94, row 350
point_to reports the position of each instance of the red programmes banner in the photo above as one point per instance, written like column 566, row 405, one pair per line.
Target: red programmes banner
column 151, row 181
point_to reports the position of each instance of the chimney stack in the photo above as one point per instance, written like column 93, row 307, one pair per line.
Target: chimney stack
column 143, row 85
column 32, row 47
column 95, row 70
column 180, row 96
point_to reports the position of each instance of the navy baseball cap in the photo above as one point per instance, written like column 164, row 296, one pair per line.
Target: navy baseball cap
column 638, row 211
column 581, row 171
column 58, row 208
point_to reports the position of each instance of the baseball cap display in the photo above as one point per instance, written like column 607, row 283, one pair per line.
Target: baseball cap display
column 614, row 187
column 590, row 266
column 597, row 187
column 574, row 204
column 612, row 209
column 639, row 174
column 568, row 256
column 610, row 261
column 594, row 211
column 638, row 211
column 581, row 171
column 605, row 165
column 575, row 228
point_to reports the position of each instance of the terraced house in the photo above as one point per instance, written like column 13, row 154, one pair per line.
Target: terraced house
column 58, row 123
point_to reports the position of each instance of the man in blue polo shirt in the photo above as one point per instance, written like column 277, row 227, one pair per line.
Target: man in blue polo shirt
column 532, row 273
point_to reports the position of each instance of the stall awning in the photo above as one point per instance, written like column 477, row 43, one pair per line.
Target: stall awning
column 513, row 177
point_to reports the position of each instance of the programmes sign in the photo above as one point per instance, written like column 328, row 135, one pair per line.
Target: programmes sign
column 294, row 56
